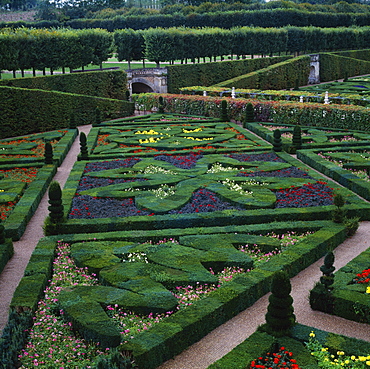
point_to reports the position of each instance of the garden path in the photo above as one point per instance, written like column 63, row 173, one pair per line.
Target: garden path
column 226, row 337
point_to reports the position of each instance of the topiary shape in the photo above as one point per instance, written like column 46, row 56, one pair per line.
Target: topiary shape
column 280, row 317
column 2, row 234
column 297, row 137
column 48, row 153
column 127, row 94
column 339, row 213
column 83, row 146
column 161, row 105
column 72, row 122
column 278, row 146
column 249, row 113
column 224, row 116
column 327, row 269
column 97, row 116
column 55, row 200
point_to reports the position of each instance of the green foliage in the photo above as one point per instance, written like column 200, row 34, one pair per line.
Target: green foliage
column 161, row 105
column 72, row 122
column 48, row 153
column 224, row 116
column 279, row 316
column 83, row 146
column 352, row 225
column 327, row 269
column 56, row 213
column 114, row 361
column 297, row 137
column 97, row 116
column 278, row 146
column 249, row 113
column 339, row 212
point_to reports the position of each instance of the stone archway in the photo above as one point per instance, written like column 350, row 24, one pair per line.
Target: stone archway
column 140, row 87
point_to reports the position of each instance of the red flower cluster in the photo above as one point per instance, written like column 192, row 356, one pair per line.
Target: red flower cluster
column 282, row 359
column 363, row 277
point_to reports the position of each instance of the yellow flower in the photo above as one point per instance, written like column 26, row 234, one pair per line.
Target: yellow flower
column 368, row 362
column 346, row 361
column 368, row 289
column 312, row 334
column 362, row 358
column 339, row 353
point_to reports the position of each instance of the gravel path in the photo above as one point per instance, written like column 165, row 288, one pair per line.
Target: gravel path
column 226, row 337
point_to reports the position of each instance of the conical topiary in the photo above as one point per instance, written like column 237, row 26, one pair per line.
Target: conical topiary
column 249, row 113
column 327, row 270
column 277, row 144
column 83, row 146
column 339, row 213
column 48, row 154
column 72, row 122
column 161, row 105
column 280, row 317
column 2, row 234
column 97, row 116
column 224, row 117
column 127, row 93
column 297, row 137
column 55, row 200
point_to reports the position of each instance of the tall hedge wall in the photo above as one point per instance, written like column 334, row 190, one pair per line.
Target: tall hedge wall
column 333, row 66
column 25, row 111
column 355, row 54
column 208, row 74
column 108, row 84
column 279, row 76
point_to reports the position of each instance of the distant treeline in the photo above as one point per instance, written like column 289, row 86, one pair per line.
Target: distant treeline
column 38, row 49
column 229, row 19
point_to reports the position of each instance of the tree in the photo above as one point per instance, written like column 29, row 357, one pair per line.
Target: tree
column 280, row 317
column 48, row 153
column 56, row 208
column 277, row 144
column 327, row 270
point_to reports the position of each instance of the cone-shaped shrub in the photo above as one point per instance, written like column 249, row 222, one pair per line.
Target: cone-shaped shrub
column 327, row 270
column 278, row 146
column 72, row 122
column 83, row 146
column 224, row 117
column 249, row 113
column 55, row 200
column 48, row 153
column 297, row 137
column 127, row 93
column 161, row 105
column 280, row 317
column 97, row 116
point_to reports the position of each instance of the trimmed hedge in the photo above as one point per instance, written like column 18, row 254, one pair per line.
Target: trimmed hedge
column 187, row 326
column 283, row 75
column 308, row 114
column 225, row 217
column 6, row 252
column 333, row 66
column 108, row 84
column 342, row 176
column 27, row 111
column 346, row 299
column 259, row 343
column 208, row 74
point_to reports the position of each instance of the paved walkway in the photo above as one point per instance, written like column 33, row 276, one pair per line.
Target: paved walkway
column 226, row 337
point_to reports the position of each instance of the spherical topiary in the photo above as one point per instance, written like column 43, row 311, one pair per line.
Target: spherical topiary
column 55, row 200
column 279, row 316
column 327, row 270
column 48, row 154
column 224, row 117
column 83, row 146
column 277, row 144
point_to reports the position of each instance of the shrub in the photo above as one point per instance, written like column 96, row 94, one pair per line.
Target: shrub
column 327, row 269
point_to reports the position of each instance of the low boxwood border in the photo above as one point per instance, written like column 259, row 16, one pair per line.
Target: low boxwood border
column 268, row 136
column 152, row 122
column 186, row 327
column 260, row 342
column 226, row 217
column 346, row 300
column 342, row 176
column 15, row 224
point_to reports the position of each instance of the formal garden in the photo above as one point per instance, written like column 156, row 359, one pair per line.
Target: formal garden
column 183, row 209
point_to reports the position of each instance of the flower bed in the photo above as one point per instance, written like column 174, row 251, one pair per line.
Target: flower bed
column 213, row 246
column 349, row 166
column 159, row 133
column 24, row 178
column 350, row 294
column 309, row 349
column 312, row 137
